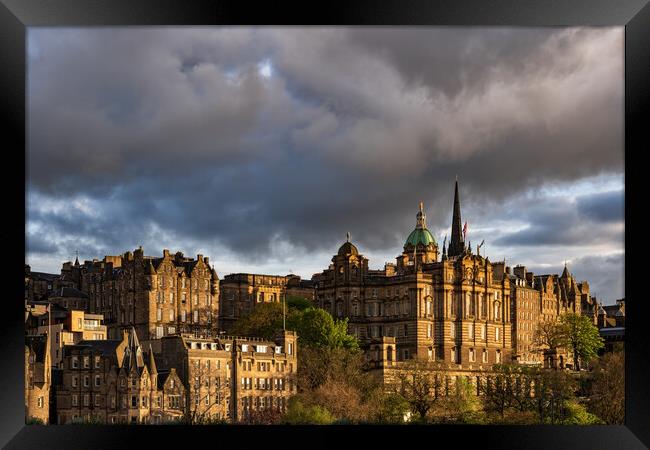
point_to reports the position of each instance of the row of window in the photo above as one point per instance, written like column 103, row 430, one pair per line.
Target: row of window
column 74, row 363
column 277, row 384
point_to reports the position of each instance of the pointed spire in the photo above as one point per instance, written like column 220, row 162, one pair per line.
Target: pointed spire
column 152, row 362
column 76, row 260
column 347, row 237
column 457, row 244
column 565, row 272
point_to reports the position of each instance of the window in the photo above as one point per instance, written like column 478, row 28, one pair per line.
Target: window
column 40, row 402
column 471, row 331
column 75, row 400
column 291, row 348
column 183, row 313
column 452, row 330
column 97, row 362
column 196, row 316
column 75, row 381
column 86, row 362
column 97, row 399
column 498, row 356
column 86, row 381
column 134, row 401
column 485, row 356
column 429, row 330
column 496, row 333
column 483, row 332
column 86, row 399
column 98, row 380
column 472, row 356
column 159, row 314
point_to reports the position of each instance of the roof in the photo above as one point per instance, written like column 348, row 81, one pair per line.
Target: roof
column 348, row 248
column 44, row 276
column 420, row 236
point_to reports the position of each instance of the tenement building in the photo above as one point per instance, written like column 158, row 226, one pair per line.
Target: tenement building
column 451, row 309
column 537, row 300
column 64, row 327
column 240, row 292
column 158, row 296
column 229, row 378
column 116, row 381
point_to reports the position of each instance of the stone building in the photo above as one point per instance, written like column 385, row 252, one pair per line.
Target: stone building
column 453, row 309
column 65, row 328
column 156, row 295
column 536, row 299
column 116, row 381
column 611, row 325
column 240, row 292
column 228, row 377
column 39, row 285
column 38, row 379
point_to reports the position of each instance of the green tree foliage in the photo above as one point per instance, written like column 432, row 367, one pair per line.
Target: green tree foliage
column 577, row 414
column 316, row 328
column 299, row 413
column 388, row 408
column 264, row 321
column 607, row 392
column 298, row 303
column 462, row 405
column 580, row 336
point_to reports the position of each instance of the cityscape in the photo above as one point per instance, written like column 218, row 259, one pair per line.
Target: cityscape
column 285, row 226
column 142, row 339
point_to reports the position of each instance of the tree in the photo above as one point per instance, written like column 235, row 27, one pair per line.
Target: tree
column 317, row 328
column 580, row 336
column 388, row 408
column 607, row 393
column 298, row 413
column 206, row 396
column 264, row 321
column 298, row 303
column 548, row 336
column 462, row 405
column 520, row 394
column 419, row 382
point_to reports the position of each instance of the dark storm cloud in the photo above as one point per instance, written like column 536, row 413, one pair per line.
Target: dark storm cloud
column 590, row 220
column 177, row 130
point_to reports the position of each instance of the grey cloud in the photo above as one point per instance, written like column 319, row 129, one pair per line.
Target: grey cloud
column 591, row 220
column 177, row 129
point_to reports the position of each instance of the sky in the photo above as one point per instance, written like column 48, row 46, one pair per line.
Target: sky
column 262, row 147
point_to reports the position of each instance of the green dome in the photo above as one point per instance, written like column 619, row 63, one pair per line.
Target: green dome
column 420, row 236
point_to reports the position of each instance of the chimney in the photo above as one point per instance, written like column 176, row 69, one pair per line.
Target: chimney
column 199, row 257
column 206, row 260
column 165, row 252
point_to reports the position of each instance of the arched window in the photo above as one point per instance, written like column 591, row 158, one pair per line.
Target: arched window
column 497, row 310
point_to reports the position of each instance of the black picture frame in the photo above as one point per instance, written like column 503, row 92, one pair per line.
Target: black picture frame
column 17, row 15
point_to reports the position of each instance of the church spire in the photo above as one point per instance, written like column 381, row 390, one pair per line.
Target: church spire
column 456, row 244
